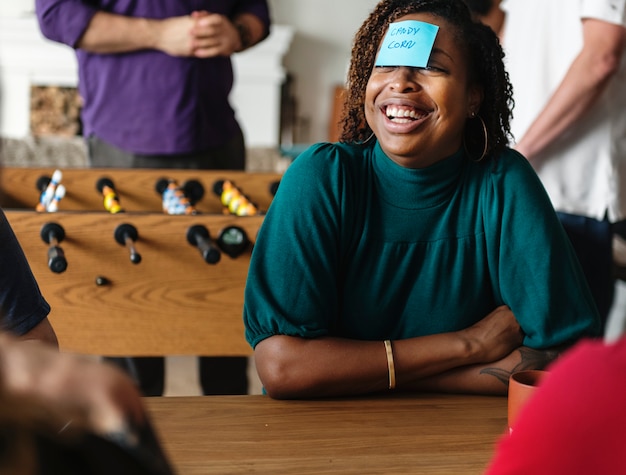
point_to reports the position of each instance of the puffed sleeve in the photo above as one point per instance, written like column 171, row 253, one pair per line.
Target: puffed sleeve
column 292, row 280
column 537, row 273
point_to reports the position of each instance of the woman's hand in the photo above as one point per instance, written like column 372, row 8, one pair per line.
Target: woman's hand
column 493, row 337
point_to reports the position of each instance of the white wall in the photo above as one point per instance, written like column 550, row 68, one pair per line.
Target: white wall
column 16, row 7
column 319, row 53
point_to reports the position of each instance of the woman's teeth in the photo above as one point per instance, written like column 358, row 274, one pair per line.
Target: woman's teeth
column 402, row 115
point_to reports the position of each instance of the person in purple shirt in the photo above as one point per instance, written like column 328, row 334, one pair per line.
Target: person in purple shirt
column 155, row 75
column 154, row 78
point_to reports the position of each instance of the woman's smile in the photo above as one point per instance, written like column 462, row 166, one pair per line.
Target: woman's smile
column 403, row 117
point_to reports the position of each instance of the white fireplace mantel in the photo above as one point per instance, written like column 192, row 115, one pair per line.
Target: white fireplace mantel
column 28, row 59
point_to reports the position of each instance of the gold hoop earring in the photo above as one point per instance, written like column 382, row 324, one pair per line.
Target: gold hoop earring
column 367, row 139
column 485, row 138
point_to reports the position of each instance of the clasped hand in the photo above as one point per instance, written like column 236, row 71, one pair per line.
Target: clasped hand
column 495, row 336
column 201, row 35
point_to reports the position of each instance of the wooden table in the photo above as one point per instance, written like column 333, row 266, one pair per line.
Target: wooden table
column 416, row 434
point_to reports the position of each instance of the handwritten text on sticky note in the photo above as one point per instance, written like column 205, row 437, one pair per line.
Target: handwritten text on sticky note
column 407, row 43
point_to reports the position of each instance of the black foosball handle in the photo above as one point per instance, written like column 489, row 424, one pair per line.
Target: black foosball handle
column 199, row 236
column 53, row 234
column 126, row 235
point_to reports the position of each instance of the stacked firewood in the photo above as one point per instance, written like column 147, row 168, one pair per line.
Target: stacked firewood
column 55, row 110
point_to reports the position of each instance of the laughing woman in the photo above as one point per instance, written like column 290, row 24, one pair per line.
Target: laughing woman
column 419, row 253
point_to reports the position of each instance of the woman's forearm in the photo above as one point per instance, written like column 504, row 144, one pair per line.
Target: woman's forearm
column 491, row 378
column 293, row 367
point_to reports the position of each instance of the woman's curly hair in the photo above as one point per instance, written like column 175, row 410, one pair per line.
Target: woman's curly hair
column 485, row 67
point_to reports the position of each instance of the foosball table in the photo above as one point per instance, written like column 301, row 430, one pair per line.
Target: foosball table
column 140, row 262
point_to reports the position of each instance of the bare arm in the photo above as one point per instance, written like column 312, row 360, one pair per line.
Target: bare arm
column 201, row 34
column 109, row 33
column 292, row 367
column 585, row 81
column 490, row 378
column 42, row 332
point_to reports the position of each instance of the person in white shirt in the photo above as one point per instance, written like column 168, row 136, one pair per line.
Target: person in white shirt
column 567, row 63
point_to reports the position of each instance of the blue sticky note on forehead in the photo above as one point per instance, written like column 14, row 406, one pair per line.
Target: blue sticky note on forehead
column 407, row 43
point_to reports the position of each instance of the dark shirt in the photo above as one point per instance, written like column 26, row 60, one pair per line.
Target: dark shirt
column 22, row 306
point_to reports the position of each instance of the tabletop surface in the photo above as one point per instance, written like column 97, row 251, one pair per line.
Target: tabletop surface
column 434, row 434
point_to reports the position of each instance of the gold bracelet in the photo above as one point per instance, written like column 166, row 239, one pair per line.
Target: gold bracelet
column 391, row 369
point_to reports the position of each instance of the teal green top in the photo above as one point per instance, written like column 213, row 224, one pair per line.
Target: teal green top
column 356, row 246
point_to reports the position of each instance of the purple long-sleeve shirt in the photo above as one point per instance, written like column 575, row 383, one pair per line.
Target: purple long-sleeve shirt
column 148, row 102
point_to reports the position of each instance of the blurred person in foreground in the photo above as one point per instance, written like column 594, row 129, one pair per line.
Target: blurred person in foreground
column 574, row 423
column 23, row 309
column 568, row 81
column 61, row 413
column 65, row 414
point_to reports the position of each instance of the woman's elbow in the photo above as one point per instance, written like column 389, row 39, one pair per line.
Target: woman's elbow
column 282, row 377
column 275, row 384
